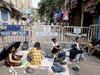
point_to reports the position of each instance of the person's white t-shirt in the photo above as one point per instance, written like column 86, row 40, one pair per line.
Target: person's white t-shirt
column 77, row 45
column 52, row 44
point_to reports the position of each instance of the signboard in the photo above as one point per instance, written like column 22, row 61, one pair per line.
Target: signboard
column 14, row 33
column 13, row 27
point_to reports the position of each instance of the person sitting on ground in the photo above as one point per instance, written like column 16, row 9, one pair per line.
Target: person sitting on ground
column 36, row 54
column 52, row 45
column 25, row 45
column 59, row 54
column 76, row 52
column 56, row 50
column 12, row 59
column 93, row 46
column 54, row 42
column 73, row 49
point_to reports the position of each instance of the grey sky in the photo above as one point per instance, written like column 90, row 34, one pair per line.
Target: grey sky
column 35, row 3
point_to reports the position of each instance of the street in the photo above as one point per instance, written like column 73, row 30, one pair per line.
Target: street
column 90, row 66
column 60, row 36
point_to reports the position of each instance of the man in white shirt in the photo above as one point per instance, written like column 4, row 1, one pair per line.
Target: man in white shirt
column 53, row 42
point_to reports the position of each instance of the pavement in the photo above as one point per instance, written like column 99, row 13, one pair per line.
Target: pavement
column 90, row 66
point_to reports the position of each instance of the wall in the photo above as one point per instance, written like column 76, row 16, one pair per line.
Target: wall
column 20, row 5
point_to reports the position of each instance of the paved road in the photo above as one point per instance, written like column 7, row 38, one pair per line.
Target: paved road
column 89, row 67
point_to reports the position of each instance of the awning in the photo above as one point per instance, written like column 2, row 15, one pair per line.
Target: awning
column 13, row 10
column 5, row 5
column 16, row 12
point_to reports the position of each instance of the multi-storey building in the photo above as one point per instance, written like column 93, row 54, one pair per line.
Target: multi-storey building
column 11, row 11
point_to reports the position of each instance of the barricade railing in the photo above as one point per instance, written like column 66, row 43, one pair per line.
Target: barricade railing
column 67, row 33
column 9, row 35
column 94, row 32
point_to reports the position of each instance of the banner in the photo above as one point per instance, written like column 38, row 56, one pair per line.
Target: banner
column 14, row 33
column 13, row 27
column 65, row 15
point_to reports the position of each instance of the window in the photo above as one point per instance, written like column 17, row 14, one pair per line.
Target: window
column 4, row 16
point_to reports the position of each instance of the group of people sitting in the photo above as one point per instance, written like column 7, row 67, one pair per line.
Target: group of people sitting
column 75, row 51
column 35, row 54
column 11, row 58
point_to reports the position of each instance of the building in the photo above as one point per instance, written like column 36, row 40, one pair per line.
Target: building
column 11, row 11
column 83, row 12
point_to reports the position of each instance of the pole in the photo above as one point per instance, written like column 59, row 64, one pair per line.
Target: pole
column 82, row 16
column 65, row 4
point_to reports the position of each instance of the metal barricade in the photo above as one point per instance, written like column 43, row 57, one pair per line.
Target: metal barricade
column 67, row 33
column 94, row 32
column 9, row 36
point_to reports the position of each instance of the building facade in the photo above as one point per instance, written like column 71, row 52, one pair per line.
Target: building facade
column 83, row 12
column 11, row 11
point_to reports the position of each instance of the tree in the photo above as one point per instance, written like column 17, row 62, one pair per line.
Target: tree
column 49, row 7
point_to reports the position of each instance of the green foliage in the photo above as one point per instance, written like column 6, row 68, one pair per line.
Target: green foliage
column 48, row 7
column 98, row 0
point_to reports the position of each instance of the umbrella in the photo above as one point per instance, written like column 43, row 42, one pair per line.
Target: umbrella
column 4, row 53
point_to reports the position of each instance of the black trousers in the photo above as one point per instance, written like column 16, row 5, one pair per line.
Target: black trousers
column 73, row 53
